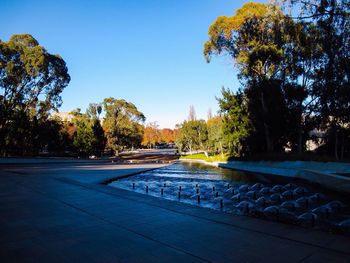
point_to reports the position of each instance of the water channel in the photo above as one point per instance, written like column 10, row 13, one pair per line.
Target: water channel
column 270, row 197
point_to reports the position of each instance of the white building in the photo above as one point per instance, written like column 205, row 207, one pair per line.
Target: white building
column 64, row 116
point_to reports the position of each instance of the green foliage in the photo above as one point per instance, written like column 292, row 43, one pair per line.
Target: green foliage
column 215, row 135
column 222, row 32
column 193, row 136
column 259, row 34
column 235, row 121
column 89, row 137
column 54, row 136
column 122, row 124
column 94, row 110
column 332, row 82
column 294, row 73
column 31, row 81
column 99, row 142
column 83, row 137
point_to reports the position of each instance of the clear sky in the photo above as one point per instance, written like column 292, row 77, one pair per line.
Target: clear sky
column 148, row 52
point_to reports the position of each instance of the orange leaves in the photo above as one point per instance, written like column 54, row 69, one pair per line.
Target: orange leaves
column 153, row 135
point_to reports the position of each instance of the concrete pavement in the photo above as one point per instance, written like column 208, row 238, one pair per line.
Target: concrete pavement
column 62, row 213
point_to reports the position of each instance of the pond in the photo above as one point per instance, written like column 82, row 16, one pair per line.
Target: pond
column 270, row 197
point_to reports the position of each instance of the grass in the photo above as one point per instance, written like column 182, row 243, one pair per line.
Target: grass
column 273, row 157
column 202, row 156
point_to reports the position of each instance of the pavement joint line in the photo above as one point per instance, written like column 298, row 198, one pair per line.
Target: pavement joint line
column 56, row 162
column 117, row 225
column 96, row 187
column 305, row 258
column 15, row 172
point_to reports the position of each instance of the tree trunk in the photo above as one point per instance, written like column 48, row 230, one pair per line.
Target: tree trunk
column 300, row 140
column 269, row 147
column 300, row 131
column 342, row 146
column 222, row 152
column 4, row 148
column 336, row 143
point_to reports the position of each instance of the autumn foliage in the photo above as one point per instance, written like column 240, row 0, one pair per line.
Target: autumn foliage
column 154, row 136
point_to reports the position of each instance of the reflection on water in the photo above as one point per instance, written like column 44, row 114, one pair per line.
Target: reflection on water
column 200, row 171
column 240, row 193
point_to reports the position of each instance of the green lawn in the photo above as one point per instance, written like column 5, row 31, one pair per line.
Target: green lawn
column 202, row 156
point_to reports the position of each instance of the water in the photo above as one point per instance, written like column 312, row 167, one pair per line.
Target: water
column 270, row 197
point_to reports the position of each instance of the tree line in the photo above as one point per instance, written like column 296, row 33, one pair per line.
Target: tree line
column 31, row 83
column 121, row 128
column 31, row 80
column 294, row 65
column 293, row 61
column 154, row 136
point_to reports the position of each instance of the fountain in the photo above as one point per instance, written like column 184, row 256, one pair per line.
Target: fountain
column 241, row 194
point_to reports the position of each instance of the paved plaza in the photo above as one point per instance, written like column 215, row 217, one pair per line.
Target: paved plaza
column 61, row 212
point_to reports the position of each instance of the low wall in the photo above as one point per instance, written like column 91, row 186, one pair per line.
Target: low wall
column 325, row 174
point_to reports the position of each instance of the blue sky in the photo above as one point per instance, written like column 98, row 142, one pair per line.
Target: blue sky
column 147, row 52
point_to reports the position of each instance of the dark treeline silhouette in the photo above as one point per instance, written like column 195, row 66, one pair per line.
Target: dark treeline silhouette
column 295, row 91
column 294, row 75
column 31, row 82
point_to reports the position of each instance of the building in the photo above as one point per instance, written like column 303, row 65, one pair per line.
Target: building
column 64, row 116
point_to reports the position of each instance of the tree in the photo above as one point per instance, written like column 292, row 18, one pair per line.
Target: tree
column 300, row 55
column 54, row 135
column 122, row 124
column 330, row 70
column 89, row 137
column 215, row 135
column 151, row 135
column 99, row 142
column 236, row 126
column 83, row 137
column 294, row 71
column 274, row 57
column 209, row 114
column 31, row 79
column 193, row 136
column 254, row 38
column 332, row 82
column 222, row 32
column 167, row 135
column 192, row 114
column 94, row 110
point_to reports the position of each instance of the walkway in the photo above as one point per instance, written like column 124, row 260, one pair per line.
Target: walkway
column 61, row 213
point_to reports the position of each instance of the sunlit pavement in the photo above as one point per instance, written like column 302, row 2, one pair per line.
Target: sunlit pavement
column 62, row 213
